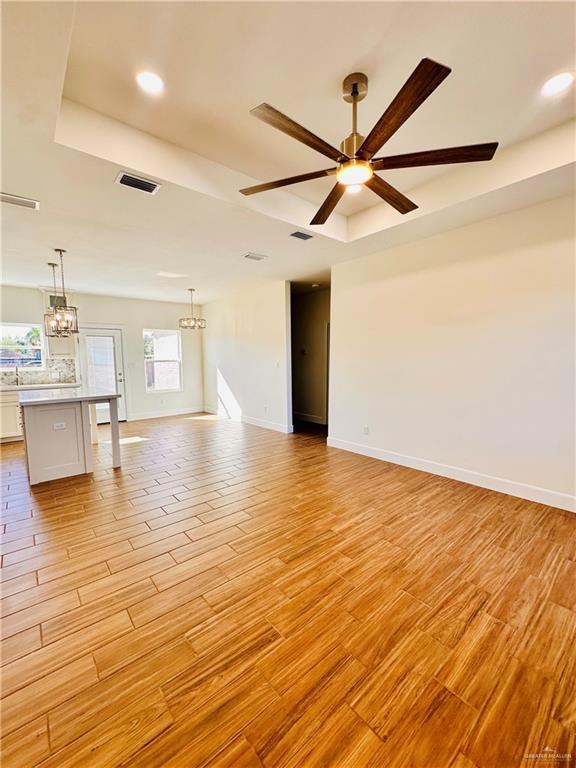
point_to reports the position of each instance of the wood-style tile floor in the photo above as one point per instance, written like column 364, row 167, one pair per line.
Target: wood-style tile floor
column 237, row 597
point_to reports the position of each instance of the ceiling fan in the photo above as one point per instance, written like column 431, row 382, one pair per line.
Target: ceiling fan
column 355, row 158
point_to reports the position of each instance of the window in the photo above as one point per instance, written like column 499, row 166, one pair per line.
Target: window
column 162, row 361
column 21, row 346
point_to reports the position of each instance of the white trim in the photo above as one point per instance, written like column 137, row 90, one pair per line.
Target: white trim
column 502, row 485
column 276, row 426
column 171, row 412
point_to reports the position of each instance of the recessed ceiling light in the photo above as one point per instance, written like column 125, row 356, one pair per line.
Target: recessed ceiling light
column 150, row 82
column 170, row 274
column 353, row 189
column 557, row 84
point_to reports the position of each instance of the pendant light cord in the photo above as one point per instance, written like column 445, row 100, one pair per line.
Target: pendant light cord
column 54, row 276
column 62, row 277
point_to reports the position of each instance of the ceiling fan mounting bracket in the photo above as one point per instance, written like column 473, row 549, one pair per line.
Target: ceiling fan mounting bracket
column 355, row 87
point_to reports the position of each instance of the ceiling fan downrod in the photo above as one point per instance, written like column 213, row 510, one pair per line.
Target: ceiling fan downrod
column 354, row 89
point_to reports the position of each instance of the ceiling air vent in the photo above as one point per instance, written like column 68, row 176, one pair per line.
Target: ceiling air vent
column 301, row 235
column 144, row 185
column 24, row 202
column 253, row 256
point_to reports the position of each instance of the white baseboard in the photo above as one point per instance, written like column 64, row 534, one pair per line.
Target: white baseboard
column 511, row 487
column 160, row 414
column 276, row 426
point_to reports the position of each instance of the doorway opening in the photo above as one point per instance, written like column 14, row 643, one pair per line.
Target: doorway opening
column 310, row 332
column 102, row 366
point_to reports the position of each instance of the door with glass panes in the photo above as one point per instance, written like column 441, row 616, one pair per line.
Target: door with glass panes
column 102, row 366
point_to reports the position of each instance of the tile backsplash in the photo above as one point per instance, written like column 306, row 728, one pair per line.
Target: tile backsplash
column 57, row 371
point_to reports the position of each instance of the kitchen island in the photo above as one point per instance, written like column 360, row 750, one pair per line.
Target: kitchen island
column 57, row 431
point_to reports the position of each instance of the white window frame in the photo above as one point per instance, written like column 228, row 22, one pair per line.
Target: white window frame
column 43, row 348
column 153, row 391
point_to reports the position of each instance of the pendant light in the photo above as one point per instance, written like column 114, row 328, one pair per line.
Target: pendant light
column 61, row 319
column 192, row 323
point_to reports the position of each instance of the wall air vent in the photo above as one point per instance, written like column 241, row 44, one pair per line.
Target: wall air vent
column 24, row 202
column 253, row 256
column 301, row 235
column 144, row 185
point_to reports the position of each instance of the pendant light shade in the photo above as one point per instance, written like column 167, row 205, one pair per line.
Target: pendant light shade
column 61, row 319
column 192, row 323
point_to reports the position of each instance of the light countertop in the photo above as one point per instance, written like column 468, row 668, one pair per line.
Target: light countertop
column 66, row 395
column 26, row 387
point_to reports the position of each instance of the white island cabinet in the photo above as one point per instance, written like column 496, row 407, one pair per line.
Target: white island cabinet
column 10, row 420
column 10, row 426
column 57, row 431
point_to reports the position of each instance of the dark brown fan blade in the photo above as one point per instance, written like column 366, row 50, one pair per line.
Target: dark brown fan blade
column 422, row 82
column 285, row 124
column 391, row 195
column 284, row 182
column 329, row 204
column 473, row 153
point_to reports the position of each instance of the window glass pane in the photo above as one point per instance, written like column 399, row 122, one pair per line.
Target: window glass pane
column 21, row 345
column 162, row 345
column 148, row 345
column 162, row 360
column 164, row 374
column 101, row 364
column 166, row 346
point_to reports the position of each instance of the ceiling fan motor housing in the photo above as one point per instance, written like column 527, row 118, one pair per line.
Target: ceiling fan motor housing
column 351, row 144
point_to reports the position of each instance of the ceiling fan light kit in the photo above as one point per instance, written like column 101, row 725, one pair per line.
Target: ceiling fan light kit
column 356, row 164
column 354, row 172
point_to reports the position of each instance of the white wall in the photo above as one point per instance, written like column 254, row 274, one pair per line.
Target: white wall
column 24, row 305
column 457, row 354
column 246, row 362
column 310, row 321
